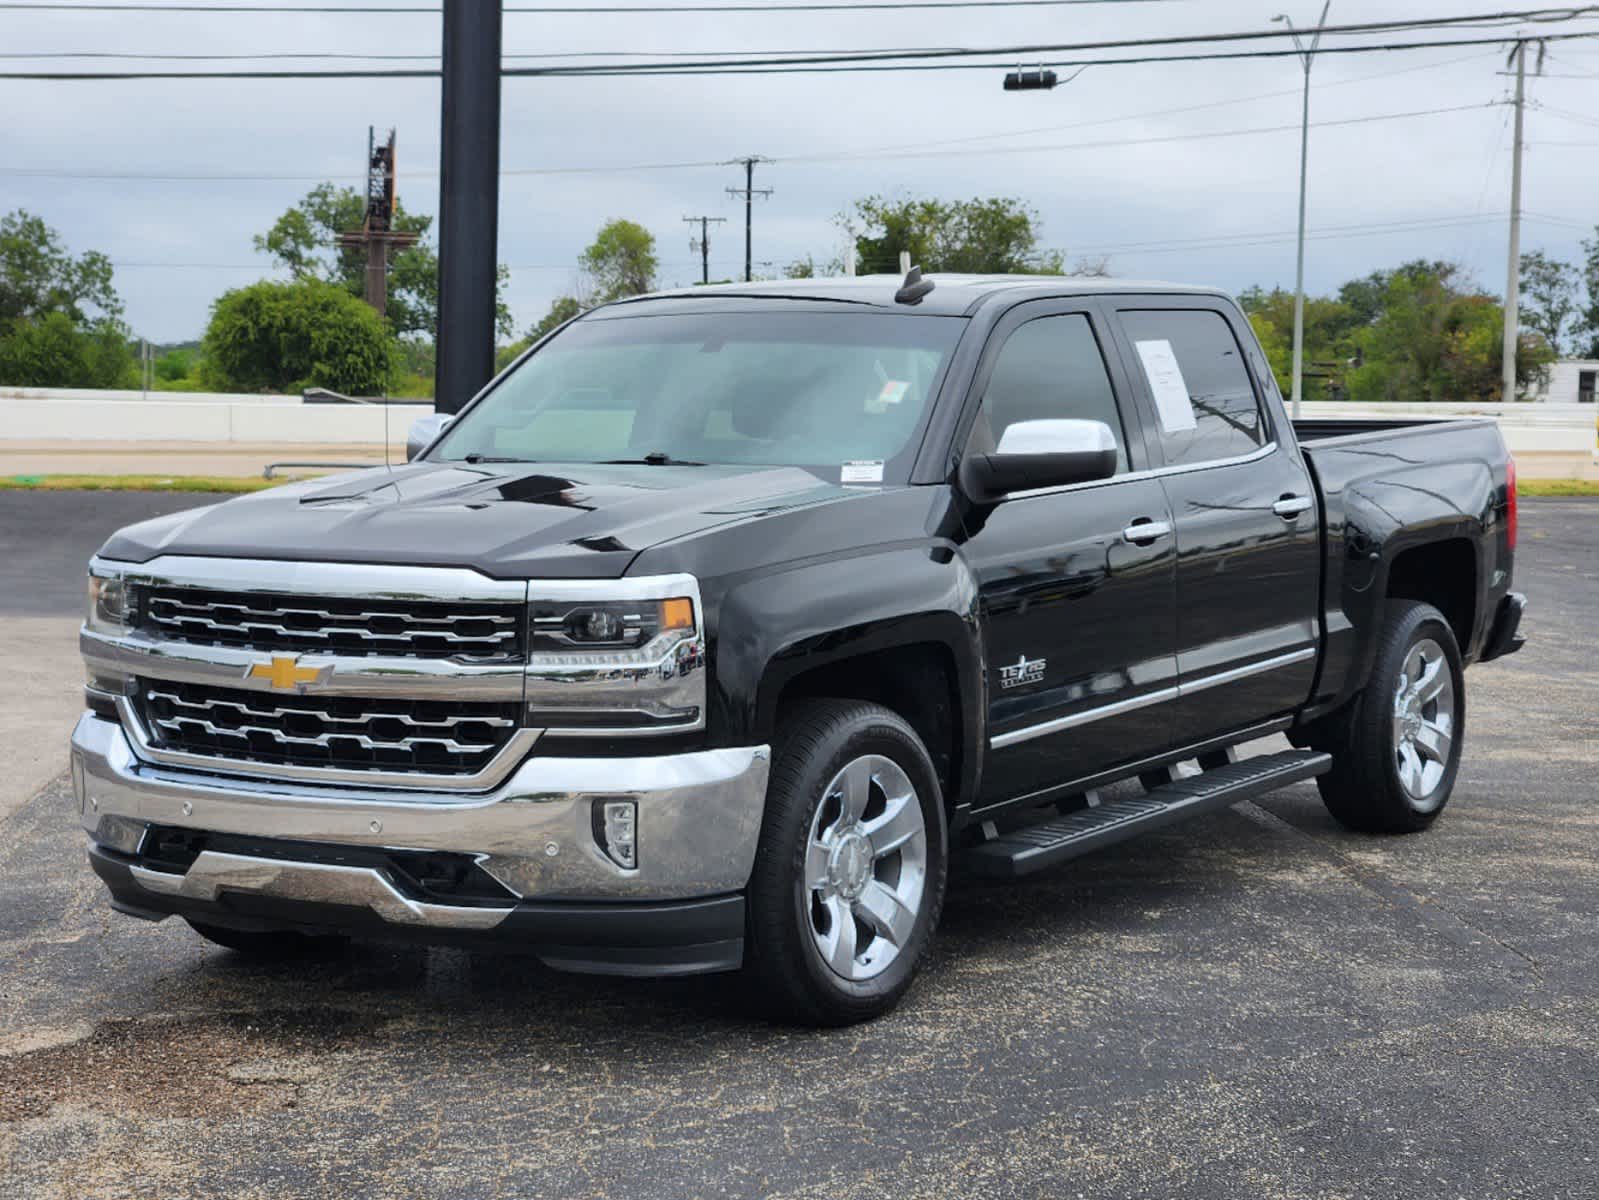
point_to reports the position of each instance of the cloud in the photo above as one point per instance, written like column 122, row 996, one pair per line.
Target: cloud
column 1177, row 199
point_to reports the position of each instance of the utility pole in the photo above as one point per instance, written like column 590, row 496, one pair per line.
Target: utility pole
column 1304, row 165
column 377, row 235
column 749, row 192
column 469, row 200
column 1513, row 273
column 703, row 243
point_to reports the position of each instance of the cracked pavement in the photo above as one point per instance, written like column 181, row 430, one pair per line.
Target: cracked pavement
column 1257, row 1003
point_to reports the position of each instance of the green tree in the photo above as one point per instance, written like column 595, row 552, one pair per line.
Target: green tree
column 1587, row 330
column 60, row 317
column 1548, row 297
column 38, row 275
column 54, row 351
column 1416, row 333
column 620, row 262
column 1329, row 344
column 305, row 240
column 996, row 235
column 284, row 337
column 561, row 311
column 1431, row 336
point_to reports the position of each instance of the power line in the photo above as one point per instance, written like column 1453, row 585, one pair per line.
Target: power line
column 1147, row 141
column 823, row 157
column 352, row 56
column 1030, row 51
column 576, row 10
column 779, row 66
column 1180, row 109
column 910, row 59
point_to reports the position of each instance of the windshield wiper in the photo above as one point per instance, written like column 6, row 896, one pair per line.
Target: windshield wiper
column 655, row 458
column 474, row 458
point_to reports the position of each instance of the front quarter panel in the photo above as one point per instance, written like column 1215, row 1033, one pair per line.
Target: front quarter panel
column 815, row 586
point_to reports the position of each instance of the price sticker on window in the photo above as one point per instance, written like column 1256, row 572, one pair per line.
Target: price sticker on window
column 1165, row 377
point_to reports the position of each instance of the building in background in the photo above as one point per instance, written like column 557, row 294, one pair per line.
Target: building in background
column 1570, row 381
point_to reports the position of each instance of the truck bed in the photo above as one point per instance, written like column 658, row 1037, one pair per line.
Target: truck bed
column 1321, row 430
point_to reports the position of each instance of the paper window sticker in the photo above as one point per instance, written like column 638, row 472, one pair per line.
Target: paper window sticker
column 1166, row 382
column 862, row 471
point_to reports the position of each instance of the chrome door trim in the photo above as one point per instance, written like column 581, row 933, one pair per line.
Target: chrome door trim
column 1162, row 696
column 1232, row 675
column 1148, row 473
column 1071, row 720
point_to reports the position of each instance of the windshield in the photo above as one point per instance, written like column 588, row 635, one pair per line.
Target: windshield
column 786, row 388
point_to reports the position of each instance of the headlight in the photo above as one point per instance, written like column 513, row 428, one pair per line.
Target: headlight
column 110, row 601
column 611, row 625
column 615, row 658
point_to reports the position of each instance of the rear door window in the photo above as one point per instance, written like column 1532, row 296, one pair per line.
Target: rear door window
column 1205, row 403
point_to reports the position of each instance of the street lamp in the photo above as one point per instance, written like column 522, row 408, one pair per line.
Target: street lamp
column 1306, row 54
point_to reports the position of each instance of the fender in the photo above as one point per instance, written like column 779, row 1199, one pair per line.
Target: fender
column 1372, row 522
column 772, row 628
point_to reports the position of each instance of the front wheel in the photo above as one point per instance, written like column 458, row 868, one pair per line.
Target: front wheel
column 1397, row 750
column 849, row 874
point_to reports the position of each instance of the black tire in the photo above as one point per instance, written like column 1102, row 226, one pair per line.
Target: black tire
column 783, row 963
column 1364, row 790
column 269, row 943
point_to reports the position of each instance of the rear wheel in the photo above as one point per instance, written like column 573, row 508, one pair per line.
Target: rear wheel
column 849, row 875
column 269, row 943
column 1397, row 750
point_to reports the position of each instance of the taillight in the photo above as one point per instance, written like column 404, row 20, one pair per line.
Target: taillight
column 1510, row 500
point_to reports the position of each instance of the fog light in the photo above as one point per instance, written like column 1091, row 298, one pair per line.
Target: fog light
column 618, row 832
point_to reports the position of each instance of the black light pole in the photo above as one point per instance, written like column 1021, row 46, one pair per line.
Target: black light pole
column 469, row 198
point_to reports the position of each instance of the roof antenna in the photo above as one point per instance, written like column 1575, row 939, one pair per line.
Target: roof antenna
column 914, row 287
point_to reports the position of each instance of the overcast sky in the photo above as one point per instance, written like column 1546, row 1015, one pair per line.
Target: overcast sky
column 1157, row 208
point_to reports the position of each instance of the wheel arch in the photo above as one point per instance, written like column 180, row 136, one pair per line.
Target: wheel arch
column 1444, row 574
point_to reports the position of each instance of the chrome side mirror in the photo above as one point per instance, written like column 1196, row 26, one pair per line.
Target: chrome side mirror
column 1037, row 454
column 424, row 432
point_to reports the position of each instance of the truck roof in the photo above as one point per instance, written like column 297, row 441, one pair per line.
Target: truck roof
column 954, row 294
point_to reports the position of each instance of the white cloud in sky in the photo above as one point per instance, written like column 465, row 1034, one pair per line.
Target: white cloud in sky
column 1128, row 193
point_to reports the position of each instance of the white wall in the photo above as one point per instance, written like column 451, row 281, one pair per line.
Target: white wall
column 1527, row 428
column 90, row 417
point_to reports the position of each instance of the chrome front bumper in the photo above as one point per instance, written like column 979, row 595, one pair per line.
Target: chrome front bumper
column 699, row 817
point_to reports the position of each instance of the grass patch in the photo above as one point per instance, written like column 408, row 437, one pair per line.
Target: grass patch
column 137, row 483
column 1557, row 487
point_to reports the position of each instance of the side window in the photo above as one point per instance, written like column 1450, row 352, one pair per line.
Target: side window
column 1049, row 368
column 1195, row 369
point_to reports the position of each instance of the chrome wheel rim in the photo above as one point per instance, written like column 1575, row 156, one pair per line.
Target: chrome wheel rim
column 1424, row 722
column 865, row 867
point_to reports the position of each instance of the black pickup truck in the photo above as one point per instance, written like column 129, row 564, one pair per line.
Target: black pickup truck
column 712, row 629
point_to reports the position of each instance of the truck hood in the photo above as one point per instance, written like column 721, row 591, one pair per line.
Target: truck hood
column 510, row 521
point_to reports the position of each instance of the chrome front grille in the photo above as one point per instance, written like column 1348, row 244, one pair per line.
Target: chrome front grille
column 353, row 627
column 438, row 737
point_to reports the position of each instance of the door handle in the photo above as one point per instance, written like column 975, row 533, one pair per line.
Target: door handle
column 1290, row 507
column 1143, row 531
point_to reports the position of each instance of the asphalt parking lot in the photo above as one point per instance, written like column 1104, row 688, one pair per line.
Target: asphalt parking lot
column 1255, row 1004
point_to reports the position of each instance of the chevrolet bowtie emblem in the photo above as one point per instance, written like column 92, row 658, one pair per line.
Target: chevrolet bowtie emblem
column 284, row 672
